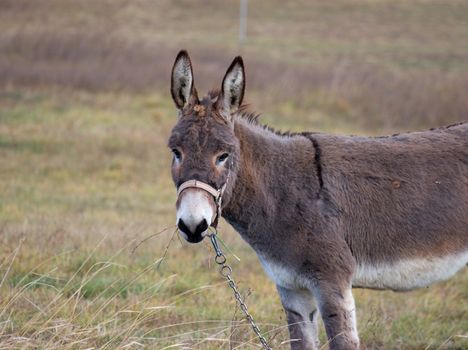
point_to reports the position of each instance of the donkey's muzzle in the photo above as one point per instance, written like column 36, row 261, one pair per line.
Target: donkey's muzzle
column 195, row 213
column 195, row 236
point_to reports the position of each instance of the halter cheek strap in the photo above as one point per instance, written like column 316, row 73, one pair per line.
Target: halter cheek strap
column 217, row 195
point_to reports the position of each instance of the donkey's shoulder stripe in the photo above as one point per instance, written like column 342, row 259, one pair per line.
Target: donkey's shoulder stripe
column 318, row 160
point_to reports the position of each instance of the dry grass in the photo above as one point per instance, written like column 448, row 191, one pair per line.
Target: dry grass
column 84, row 118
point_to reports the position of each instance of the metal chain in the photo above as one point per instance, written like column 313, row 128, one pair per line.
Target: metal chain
column 226, row 271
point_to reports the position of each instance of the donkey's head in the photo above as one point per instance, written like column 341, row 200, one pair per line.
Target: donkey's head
column 204, row 146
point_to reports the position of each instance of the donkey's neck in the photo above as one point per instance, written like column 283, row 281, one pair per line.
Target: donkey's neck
column 276, row 172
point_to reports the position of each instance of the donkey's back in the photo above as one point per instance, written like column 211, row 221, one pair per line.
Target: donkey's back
column 402, row 202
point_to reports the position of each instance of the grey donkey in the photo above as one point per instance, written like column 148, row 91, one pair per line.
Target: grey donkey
column 324, row 213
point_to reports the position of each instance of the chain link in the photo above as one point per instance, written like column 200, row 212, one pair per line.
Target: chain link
column 226, row 271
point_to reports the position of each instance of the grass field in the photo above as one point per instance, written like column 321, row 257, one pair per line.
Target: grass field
column 84, row 118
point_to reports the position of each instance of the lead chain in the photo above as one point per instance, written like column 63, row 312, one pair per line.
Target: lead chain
column 226, row 271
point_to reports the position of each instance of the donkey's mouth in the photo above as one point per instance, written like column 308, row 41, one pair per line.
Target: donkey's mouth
column 195, row 239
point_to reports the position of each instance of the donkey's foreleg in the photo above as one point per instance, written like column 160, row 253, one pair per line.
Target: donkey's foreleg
column 301, row 313
column 336, row 305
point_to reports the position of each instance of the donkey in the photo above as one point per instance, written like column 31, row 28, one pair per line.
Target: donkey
column 323, row 213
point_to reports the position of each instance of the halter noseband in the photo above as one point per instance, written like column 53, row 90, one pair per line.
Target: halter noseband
column 217, row 195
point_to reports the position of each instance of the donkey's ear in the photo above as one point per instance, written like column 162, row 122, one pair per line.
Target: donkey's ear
column 232, row 90
column 182, row 88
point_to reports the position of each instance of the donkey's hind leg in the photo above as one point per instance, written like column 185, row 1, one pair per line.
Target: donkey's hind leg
column 301, row 313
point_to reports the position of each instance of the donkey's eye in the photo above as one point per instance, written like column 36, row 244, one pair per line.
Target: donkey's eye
column 177, row 154
column 222, row 158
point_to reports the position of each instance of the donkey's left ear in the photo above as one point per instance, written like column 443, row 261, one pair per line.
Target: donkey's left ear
column 232, row 89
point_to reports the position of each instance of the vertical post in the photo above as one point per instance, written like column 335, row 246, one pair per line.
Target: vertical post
column 243, row 21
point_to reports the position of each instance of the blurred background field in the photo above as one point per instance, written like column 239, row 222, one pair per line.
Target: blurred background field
column 85, row 112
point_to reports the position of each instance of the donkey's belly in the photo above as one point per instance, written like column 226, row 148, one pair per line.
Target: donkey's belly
column 408, row 274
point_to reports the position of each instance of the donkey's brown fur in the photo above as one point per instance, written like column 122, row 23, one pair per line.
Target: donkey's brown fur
column 325, row 213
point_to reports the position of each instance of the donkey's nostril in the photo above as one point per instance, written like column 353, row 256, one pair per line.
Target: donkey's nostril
column 202, row 227
column 181, row 225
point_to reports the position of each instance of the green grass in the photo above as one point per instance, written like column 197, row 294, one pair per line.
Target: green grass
column 85, row 178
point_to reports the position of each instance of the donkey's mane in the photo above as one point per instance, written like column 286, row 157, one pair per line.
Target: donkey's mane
column 242, row 112
column 252, row 118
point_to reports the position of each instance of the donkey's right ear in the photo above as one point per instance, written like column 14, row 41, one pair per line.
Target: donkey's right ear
column 182, row 88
